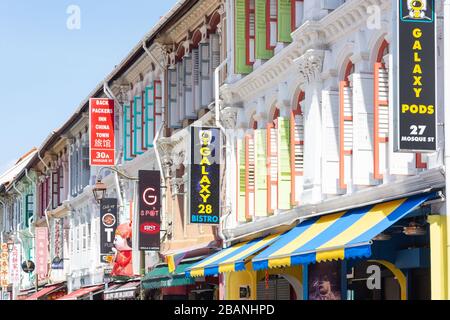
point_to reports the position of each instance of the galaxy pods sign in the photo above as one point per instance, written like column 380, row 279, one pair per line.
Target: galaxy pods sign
column 205, row 176
column 416, row 83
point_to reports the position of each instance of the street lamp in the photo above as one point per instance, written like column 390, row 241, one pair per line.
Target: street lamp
column 99, row 191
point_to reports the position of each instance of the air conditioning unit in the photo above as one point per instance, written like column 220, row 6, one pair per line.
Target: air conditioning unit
column 330, row 4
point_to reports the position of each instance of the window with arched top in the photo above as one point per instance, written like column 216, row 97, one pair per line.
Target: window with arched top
column 297, row 149
column 346, row 126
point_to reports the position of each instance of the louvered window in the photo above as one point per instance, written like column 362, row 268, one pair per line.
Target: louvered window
column 297, row 13
column 181, row 90
column 346, row 133
column 272, row 172
column 157, row 85
column 144, row 122
column 215, row 59
column 196, row 79
column 188, row 88
column 127, row 124
column 381, row 119
column 137, row 125
column 250, row 31
column 205, row 74
column 86, row 168
column 272, row 23
column 55, row 189
column 297, row 154
column 250, row 177
column 149, row 115
column 173, row 98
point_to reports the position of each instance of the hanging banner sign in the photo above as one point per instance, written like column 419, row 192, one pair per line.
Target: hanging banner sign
column 416, row 73
column 149, row 210
column 205, row 176
column 101, row 126
column 41, row 235
column 108, row 226
column 4, row 266
column 15, row 262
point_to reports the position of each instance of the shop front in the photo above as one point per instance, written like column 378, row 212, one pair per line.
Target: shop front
column 123, row 291
column 86, row 293
column 49, row 292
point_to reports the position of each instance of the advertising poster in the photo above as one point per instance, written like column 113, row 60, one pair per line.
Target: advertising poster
column 324, row 281
column 101, row 126
column 149, row 210
column 416, row 84
column 42, row 255
column 205, row 176
column 108, row 226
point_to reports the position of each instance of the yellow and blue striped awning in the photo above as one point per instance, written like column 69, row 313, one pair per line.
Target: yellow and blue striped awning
column 339, row 236
column 231, row 259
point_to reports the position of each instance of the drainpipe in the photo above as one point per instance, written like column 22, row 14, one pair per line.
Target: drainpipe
column 49, row 202
column 111, row 95
column 447, row 127
column 219, row 125
column 21, row 195
column 42, row 160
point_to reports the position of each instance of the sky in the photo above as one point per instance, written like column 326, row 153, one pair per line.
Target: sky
column 53, row 53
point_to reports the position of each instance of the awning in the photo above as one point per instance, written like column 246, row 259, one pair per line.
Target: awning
column 230, row 259
column 160, row 277
column 78, row 294
column 343, row 235
column 45, row 291
column 122, row 291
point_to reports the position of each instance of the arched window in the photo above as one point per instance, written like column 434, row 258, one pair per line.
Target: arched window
column 345, row 126
column 297, row 149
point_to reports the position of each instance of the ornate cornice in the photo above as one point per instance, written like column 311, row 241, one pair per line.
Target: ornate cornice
column 310, row 65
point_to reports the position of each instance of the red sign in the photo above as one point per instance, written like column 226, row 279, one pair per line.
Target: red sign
column 102, row 151
column 151, row 228
column 41, row 235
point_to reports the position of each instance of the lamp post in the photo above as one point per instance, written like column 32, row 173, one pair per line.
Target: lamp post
column 100, row 188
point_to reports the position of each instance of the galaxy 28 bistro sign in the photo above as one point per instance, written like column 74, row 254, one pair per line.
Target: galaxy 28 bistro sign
column 416, row 76
column 205, row 176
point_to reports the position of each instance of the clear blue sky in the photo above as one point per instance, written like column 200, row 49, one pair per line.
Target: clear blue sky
column 47, row 70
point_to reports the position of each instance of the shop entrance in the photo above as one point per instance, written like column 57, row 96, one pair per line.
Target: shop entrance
column 275, row 287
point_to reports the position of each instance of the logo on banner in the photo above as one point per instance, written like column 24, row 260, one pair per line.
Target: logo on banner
column 205, row 176
column 108, row 226
column 102, row 139
column 149, row 210
column 416, row 86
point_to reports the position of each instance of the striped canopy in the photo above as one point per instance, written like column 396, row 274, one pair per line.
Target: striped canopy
column 338, row 236
column 231, row 259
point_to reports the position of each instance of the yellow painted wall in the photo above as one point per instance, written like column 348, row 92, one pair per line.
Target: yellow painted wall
column 438, row 246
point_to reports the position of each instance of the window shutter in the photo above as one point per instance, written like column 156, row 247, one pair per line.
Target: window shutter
column 240, row 38
column 188, row 89
column 250, row 31
column 272, row 167
column 284, row 21
column 150, row 116
column 137, row 121
column 86, row 173
column 173, row 98
column 249, row 177
column 381, row 119
column 284, row 164
column 297, row 156
column 261, row 51
column 272, row 23
column 205, row 75
column 157, row 94
column 29, row 209
column 330, row 101
column 241, row 183
column 127, row 133
column 346, row 134
column 215, row 60
column 180, row 88
column 297, row 14
column 260, row 140
column 144, row 122
column 55, row 189
column 196, row 79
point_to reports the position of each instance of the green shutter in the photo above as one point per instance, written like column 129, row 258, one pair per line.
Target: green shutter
column 241, row 65
column 261, row 173
column 261, row 51
column 284, row 21
column 284, row 164
column 241, row 177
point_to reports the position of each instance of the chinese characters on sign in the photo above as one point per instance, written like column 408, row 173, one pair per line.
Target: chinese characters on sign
column 4, row 273
column 149, row 210
column 102, row 140
column 41, row 235
column 108, row 226
column 205, row 176
column 416, row 83
column 14, row 263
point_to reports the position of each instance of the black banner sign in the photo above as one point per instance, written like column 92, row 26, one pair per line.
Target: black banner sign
column 205, row 176
column 149, row 210
column 416, row 86
column 108, row 226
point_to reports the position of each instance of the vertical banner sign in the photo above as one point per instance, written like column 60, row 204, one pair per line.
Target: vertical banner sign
column 58, row 244
column 41, row 235
column 15, row 263
column 149, row 210
column 205, row 176
column 108, row 226
column 101, row 125
column 4, row 263
column 416, row 85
